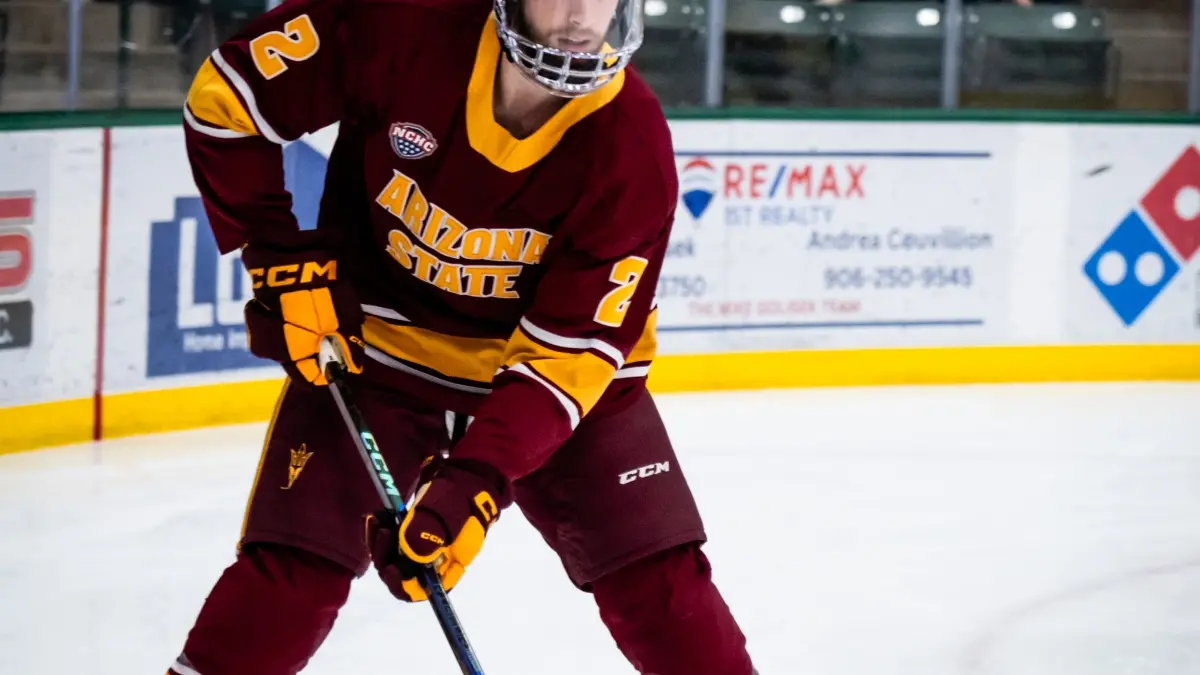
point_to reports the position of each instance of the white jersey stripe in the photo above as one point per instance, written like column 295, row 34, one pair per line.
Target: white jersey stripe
column 568, row 405
column 384, row 313
column 632, row 371
column 183, row 669
column 573, row 343
column 238, row 83
column 390, row 361
column 215, row 132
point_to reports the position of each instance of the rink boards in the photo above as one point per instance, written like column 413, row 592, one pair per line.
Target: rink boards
column 804, row 253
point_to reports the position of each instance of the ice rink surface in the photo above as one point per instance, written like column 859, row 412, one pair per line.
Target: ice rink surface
column 990, row 530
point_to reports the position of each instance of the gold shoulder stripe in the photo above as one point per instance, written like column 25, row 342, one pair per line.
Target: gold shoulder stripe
column 214, row 102
column 463, row 358
column 583, row 376
column 647, row 345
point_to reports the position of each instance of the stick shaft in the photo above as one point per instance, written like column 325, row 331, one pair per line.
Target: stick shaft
column 385, row 486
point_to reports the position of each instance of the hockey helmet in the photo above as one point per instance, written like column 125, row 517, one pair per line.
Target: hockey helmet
column 559, row 69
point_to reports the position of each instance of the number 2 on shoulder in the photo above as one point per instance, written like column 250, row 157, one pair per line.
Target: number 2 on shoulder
column 625, row 273
column 297, row 42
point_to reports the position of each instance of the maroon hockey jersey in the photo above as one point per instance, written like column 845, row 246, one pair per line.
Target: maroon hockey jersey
column 509, row 278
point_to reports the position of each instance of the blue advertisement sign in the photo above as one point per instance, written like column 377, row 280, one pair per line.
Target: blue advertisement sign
column 196, row 322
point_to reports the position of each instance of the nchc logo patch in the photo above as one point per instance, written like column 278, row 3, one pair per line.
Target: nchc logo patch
column 412, row 141
column 1146, row 251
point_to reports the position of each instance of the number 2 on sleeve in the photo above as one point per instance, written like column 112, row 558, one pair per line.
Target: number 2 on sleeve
column 625, row 273
column 297, row 42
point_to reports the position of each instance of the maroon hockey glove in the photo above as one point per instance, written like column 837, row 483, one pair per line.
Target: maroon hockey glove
column 299, row 299
column 446, row 526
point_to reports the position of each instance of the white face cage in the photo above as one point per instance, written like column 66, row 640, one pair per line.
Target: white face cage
column 566, row 73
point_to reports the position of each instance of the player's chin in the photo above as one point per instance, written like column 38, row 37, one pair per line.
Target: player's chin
column 553, row 65
column 586, row 44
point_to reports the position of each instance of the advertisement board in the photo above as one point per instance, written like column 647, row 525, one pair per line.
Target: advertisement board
column 174, row 304
column 803, row 235
column 16, row 268
column 50, row 193
column 1065, row 251
column 1133, row 273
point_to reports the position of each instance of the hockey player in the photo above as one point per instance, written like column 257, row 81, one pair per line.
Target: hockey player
column 494, row 219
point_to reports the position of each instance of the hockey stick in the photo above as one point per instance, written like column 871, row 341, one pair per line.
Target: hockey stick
column 332, row 362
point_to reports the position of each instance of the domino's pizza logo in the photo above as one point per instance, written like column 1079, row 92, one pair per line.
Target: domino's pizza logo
column 698, row 184
column 411, row 141
column 1149, row 247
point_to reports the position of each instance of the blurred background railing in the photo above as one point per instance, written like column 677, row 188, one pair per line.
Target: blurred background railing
column 1131, row 55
